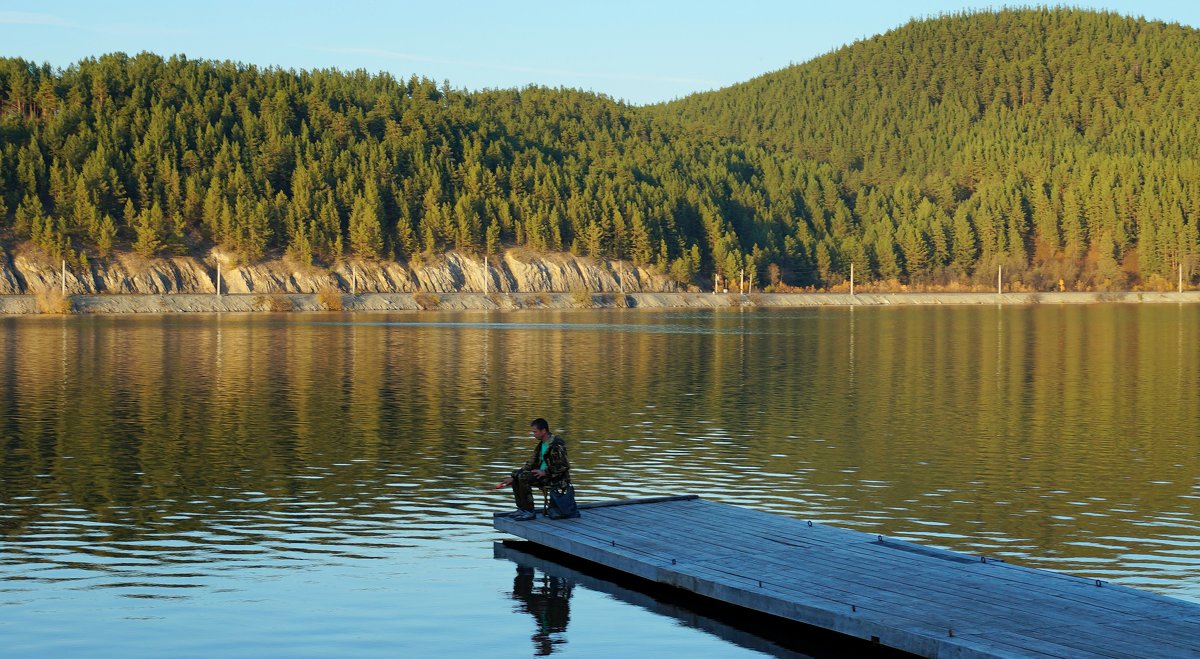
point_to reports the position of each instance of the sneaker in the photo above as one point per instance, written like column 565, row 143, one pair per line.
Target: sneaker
column 523, row 515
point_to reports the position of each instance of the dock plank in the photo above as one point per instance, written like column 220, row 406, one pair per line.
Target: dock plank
column 925, row 600
column 1080, row 604
column 1028, row 580
column 719, row 626
column 935, row 580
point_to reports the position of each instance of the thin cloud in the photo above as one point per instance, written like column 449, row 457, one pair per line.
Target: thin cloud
column 31, row 18
column 538, row 71
column 121, row 29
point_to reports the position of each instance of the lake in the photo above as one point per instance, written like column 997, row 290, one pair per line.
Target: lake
column 322, row 484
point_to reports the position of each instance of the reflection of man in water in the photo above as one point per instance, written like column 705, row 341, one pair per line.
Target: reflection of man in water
column 549, row 604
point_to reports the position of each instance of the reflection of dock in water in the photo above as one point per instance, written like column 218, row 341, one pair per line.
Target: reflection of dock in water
column 923, row 600
column 601, row 580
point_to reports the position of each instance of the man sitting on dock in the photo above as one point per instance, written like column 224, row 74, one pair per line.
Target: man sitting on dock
column 548, row 467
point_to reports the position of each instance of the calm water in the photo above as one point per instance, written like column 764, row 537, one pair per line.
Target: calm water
column 317, row 485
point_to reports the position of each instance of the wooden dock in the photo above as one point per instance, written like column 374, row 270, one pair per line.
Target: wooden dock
column 918, row 599
column 686, row 617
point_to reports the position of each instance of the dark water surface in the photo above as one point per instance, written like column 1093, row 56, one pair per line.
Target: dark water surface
column 320, row 484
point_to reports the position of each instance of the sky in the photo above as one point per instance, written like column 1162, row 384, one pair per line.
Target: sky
column 639, row 51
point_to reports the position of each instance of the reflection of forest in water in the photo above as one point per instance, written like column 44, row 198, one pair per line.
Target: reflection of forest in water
column 1054, row 433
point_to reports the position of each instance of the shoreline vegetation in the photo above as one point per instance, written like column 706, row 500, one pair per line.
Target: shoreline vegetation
column 509, row 302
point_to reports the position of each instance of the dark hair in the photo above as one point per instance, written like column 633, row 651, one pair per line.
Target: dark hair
column 539, row 423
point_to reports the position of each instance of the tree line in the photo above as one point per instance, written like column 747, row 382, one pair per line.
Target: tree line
column 1057, row 144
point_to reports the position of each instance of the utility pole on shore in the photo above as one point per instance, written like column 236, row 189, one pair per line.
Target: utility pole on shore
column 1181, row 275
column 742, row 281
column 353, row 280
column 64, row 278
column 999, row 280
column 485, row 274
column 218, row 279
column 852, row 279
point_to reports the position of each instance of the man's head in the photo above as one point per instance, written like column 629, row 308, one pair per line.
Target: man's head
column 540, row 428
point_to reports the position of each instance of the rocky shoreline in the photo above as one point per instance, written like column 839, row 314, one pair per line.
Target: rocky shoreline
column 471, row 301
column 511, row 271
column 515, row 279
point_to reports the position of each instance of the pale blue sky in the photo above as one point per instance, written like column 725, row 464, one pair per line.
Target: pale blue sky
column 641, row 51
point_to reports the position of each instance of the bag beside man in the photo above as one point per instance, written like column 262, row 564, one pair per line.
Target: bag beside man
column 562, row 503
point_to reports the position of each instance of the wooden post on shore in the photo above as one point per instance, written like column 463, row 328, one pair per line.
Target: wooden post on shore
column 852, row 279
column 1181, row 275
column 621, row 277
column 741, row 281
column 485, row 274
column 999, row 280
column 353, row 280
column 218, row 279
column 64, row 278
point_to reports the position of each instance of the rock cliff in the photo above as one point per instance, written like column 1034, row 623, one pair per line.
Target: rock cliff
column 512, row 271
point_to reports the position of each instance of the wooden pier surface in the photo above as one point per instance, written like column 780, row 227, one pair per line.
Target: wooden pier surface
column 684, row 616
column 918, row 599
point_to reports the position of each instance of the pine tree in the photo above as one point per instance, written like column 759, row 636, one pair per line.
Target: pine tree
column 214, row 203
column 1045, row 221
column 468, row 229
column 29, row 214
column 1074, row 227
column 915, row 249
column 825, row 262
column 366, row 221
column 964, row 246
column 103, row 233
column 641, row 250
column 492, row 244
column 148, row 227
column 1108, row 272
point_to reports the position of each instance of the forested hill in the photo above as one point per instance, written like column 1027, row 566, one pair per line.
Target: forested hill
column 1060, row 144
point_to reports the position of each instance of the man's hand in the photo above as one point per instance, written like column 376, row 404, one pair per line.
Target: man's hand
column 506, row 482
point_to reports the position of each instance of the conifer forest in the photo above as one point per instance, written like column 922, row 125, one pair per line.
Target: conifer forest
column 1060, row 145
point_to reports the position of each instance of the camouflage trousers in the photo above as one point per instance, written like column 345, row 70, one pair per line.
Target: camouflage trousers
column 523, row 483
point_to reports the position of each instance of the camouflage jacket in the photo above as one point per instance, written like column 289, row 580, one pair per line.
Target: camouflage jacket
column 558, row 468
